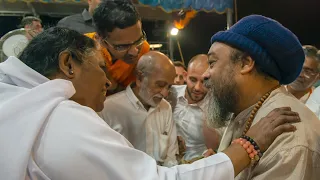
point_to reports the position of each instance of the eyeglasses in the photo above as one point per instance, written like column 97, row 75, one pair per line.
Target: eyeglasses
column 126, row 47
column 309, row 72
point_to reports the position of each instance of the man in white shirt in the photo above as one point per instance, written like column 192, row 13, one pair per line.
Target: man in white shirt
column 302, row 87
column 188, row 110
column 142, row 115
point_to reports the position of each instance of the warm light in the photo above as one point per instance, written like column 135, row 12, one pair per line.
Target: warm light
column 154, row 46
column 174, row 31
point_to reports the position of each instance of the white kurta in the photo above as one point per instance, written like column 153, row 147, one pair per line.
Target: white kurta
column 152, row 131
column 43, row 136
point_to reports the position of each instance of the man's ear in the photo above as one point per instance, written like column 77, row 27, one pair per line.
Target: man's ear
column 66, row 64
column 247, row 65
column 139, row 75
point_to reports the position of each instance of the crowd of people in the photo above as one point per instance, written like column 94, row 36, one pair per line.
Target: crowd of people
column 87, row 99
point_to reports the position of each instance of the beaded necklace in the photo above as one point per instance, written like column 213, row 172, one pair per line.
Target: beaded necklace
column 255, row 110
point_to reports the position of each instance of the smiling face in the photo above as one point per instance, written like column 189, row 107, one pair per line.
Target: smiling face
column 196, row 90
column 220, row 79
column 125, row 44
column 91, row 73
column 155, row 86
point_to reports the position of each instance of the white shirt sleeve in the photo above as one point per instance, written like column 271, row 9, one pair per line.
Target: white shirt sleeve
column 78, row 145
column 313, row 102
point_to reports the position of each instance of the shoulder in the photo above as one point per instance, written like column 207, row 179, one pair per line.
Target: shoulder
column 70, row 19
column 179, row 88
column 308, row 130
column 117, row 99
column 116, row 106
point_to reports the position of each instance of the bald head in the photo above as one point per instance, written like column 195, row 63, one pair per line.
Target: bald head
column 198, row 62
column 155, row 61
column 155, row 75
column 196, row 68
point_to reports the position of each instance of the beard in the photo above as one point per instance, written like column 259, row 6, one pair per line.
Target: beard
column 146, row 95
column 221, row 98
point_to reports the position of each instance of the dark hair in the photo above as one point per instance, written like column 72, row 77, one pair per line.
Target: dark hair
column 179, row 64
column 111, row 14
column 28, row 20
column 42, row 52
column 237, row 54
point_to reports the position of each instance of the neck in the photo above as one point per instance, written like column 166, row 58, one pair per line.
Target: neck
column 298, row 94
column 136, row 90
column 187, row 96
column 250, row 96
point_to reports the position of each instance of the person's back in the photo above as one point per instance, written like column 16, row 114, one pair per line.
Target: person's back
column 81, row 22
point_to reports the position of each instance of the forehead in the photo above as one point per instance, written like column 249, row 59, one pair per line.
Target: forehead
column 162, row 75
column 127, row 35
column 311, row 63
column 36, row 23
column 198, row 70
column 219, row 50
column 179, row 69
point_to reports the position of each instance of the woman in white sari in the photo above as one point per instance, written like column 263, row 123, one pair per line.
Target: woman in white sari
column 49, row 128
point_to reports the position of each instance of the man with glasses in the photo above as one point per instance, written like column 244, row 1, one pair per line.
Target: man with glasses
column 122, row 39
column 302, row 87
column 142, row 115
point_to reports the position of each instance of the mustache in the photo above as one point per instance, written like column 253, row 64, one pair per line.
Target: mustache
column 207, row 83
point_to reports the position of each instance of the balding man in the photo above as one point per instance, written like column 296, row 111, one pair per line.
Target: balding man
column 142, row 115
column 188, row 111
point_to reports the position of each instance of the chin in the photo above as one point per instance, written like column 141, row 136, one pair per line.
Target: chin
column 99, row 108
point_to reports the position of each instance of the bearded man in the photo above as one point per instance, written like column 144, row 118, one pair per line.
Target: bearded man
column 247, row 66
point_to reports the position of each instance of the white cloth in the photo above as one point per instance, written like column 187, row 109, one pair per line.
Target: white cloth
column 152, row 131
column 189, row 119
column 44, row 136
column 313, row 102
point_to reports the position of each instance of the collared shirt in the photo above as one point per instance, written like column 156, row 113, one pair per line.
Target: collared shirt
column 305, row 97
column 152, row 131
column 120, row 71
column 79, row 22
column 62, row 139
column 294, row 156
column 189, row 119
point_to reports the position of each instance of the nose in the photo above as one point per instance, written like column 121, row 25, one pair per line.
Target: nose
column 108, row 83
column 198, row 86
column 134, row 50
column 206, row 75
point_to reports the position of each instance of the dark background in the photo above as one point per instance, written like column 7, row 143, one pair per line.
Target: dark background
column 300, row 16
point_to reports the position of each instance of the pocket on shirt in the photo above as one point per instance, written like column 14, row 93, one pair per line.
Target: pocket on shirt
column 164, row 145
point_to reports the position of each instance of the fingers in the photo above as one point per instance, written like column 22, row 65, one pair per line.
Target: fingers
column 279, row 111
column 283, row 128
column 283, row 119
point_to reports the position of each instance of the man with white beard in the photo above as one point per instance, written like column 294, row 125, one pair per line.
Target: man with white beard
column 248, row 64
column 142, row 115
